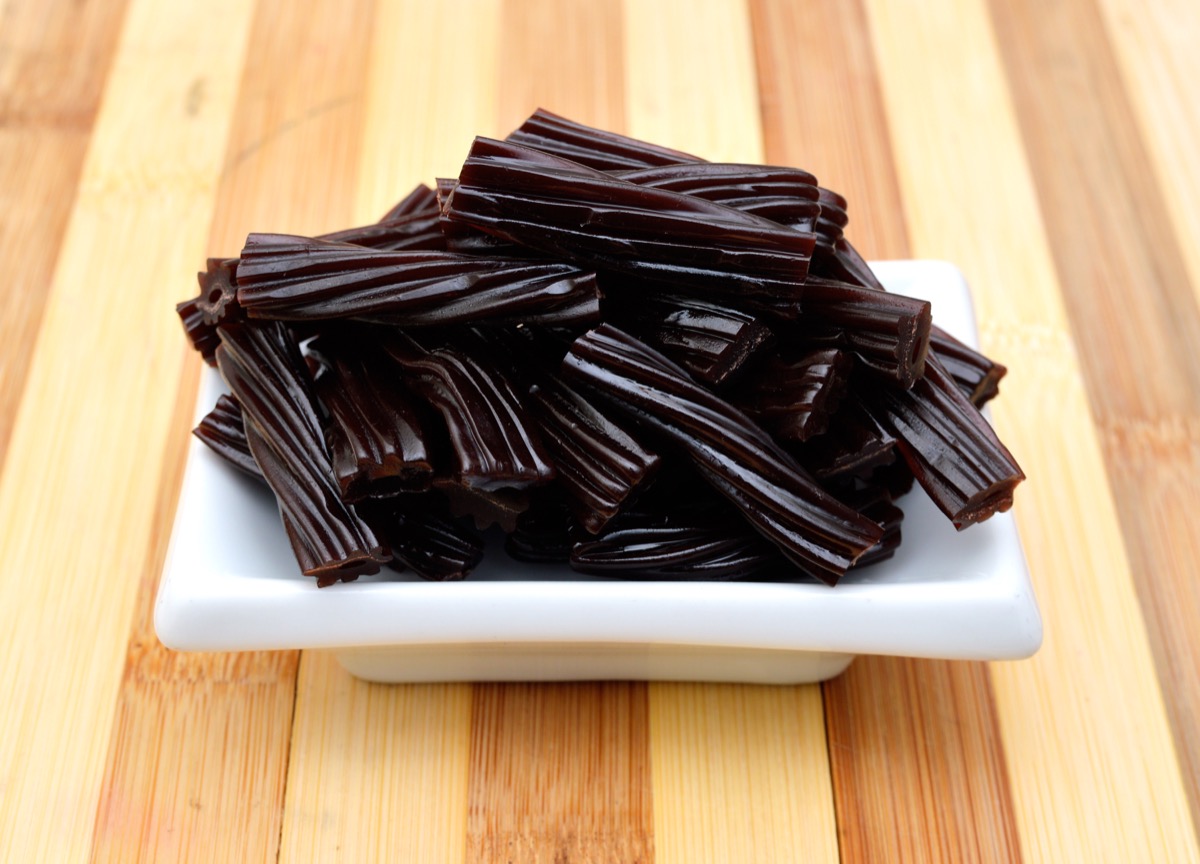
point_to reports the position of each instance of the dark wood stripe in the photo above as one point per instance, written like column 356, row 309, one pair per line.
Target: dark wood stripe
column 1123, row 277
column 54, row 61
column 916, row 756
column 560, row 772
column 188, row 725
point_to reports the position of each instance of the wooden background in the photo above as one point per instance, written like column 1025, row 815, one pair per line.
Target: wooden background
column 1050, row 149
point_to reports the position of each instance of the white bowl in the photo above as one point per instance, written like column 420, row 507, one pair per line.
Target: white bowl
column 230, row 584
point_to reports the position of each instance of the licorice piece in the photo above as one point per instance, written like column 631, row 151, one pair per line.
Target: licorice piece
column 495, row 443
column 976, row 374
column 853, row 446
column 263, row 367
column 297, row 278
column 889, row 332
column 779, row 500
column 376, row 438
column 599, row 464
column 949, row 446
column 426, row 540
column 600, row 222
column 715, row 343
column 223, row 430
column 794, row 398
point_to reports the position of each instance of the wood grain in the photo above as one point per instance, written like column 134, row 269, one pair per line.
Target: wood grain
column 1085, row 734
column 84, row 465
column 691, row 83
column 560, row 772
column 166, row 786
column 936, row 719
column 377, row 772
column 565, row 56
column 740, row 774
column 365, row 756
column 53, row 65
column 1095, row 187
column 1155, row 45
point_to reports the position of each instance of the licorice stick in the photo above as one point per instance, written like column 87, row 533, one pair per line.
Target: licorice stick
column 494, row 440
column 778, row 499
column 265, row 371
column 296, row 279
column 794, row 398
column 949, row 446
column 223, row 430
column 976, row 374
column 428, row 541
column 597, row 221
column 889, row 332
column 600, row 465
column 853, row 446
column 676, row 551
column 376, row 438
column 713, row 342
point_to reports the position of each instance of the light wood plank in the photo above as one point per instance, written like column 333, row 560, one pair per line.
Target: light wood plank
column 560, row 772
column 378, row 772
column 1155, row 44
column 1095, row 185
column 740, row 773
column 190, row 727
column 53, row 66
column 691, row 81
column 564, row 56
column 1084, row 728
column 84, row 464
column 367, row 756
column 905, row 736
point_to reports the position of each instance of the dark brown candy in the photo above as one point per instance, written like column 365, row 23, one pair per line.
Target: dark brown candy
column 544, row 533
column 779, row 500
column 875, row 502
column 596, row 148
column 202, row 336
column 977, row 375
column 713, row 342
column 427, row 540
column 486, row 508
column 298, row 278
column 949, row 446
column 889, row 332
column 413, row 231
column 216, row 302
column 223, row 430
column 599, row 222
column 263, row 367
column 421, row 199
column 600, row 465
column 785, row 195
column 853, row 446
column 495, row 443
column 794, row 398
column 651, row 547
column 376, row 438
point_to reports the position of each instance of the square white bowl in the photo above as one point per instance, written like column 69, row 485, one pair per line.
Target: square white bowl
column 230, row 583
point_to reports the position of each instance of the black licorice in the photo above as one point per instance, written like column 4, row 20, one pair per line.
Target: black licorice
column 470, row 367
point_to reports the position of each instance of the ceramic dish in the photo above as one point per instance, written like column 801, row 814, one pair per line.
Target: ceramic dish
column 230, row 584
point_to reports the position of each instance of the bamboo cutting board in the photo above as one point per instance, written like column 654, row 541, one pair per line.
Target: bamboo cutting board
column 1049, row 150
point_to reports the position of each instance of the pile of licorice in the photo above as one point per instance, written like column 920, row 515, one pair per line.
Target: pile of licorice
column 632, row 360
